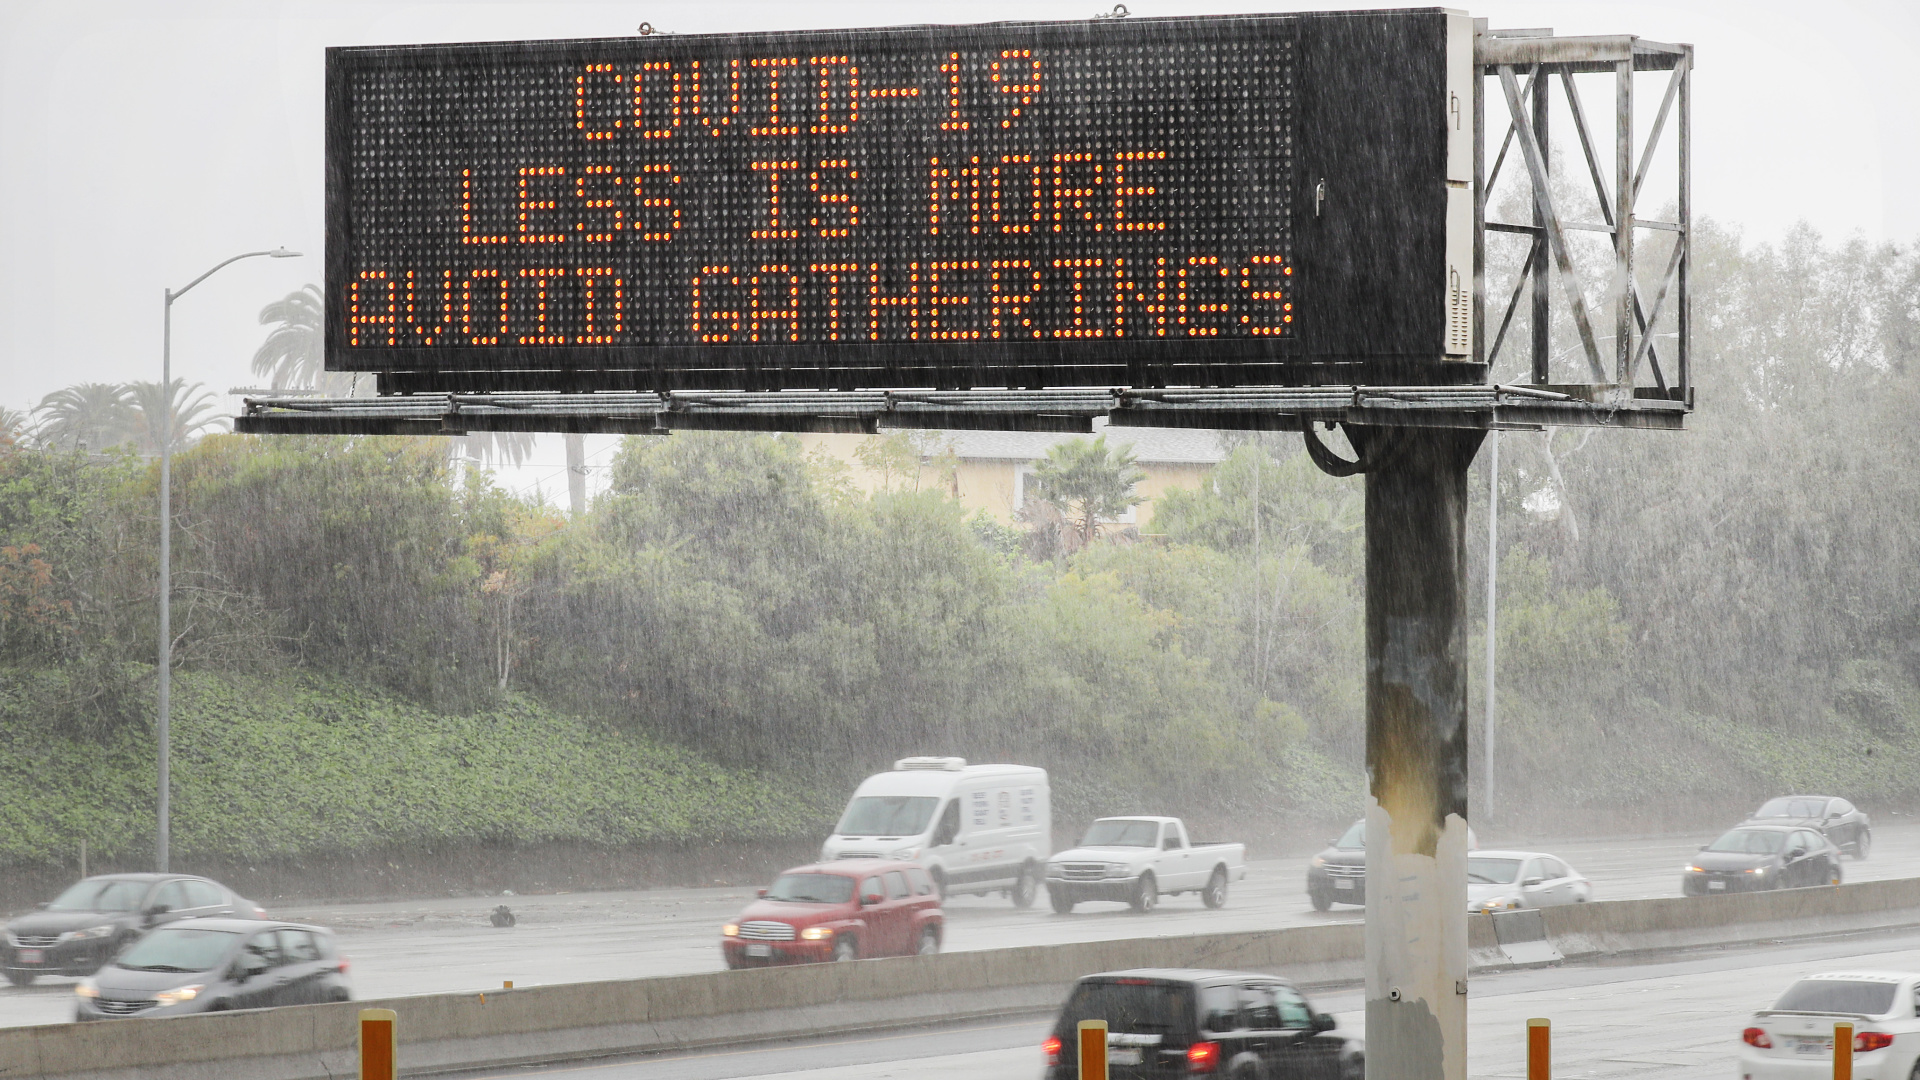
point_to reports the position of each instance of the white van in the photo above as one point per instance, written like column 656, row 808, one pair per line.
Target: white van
column 976, row 828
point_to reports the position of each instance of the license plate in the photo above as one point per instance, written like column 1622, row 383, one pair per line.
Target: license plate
column 1806, row 1045
column 32, row 956
column 1123, row 1055
column 1343, row 885
column 1716, row 885
column 759, row 950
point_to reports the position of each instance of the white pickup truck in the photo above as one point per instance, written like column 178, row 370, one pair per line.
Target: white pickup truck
column 1137, row 860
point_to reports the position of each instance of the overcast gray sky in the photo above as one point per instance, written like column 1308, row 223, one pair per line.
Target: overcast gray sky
column 140, row 143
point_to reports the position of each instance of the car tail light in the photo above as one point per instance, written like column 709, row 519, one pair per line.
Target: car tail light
column 1051, row 1048
column 343, row 965
column 1871, row 1040
column 259, row 912
column 1203, row 1057
column 1754, row 1036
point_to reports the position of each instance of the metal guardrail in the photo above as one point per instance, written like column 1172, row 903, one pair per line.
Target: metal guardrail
column 1279, row 408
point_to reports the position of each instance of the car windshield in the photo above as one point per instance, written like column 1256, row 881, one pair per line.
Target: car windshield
column 178, row 949
column 1793, row 808
column 812, row 889
column 1492, row 871
column 1132, row 1006
column 101, row 894
column 1355, row 838
column 1121, row 832
column 887, row 815
column 1750, row 842
column 1838, row 996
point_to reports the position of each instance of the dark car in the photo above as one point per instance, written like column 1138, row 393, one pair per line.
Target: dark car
column 1165, row 1022
column 79, row 930
column 1338, row 875
column 842, row 910
column 1836, row 819
column 211, row 965
column 1752, row 857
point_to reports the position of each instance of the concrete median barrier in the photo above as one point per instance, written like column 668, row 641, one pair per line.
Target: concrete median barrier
column 445, row 1032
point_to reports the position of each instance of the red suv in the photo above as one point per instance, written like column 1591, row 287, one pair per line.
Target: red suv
column 838, row 911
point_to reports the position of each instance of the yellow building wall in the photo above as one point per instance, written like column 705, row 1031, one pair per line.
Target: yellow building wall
column 990, row 484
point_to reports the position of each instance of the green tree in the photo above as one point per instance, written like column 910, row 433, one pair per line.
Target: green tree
column 1089, row 482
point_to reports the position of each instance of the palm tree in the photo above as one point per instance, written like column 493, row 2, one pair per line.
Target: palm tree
column 294, row 355
column 93, row 415
column 193, row 411
column 14, row 426
column 1088, row 482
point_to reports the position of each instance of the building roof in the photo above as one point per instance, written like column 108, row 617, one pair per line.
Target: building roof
column 1163, row 446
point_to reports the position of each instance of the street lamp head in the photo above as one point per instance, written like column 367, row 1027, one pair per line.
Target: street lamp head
column 283, row 253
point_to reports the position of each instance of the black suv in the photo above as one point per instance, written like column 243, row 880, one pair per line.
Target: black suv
column 1166, row 1022
column 81, row 929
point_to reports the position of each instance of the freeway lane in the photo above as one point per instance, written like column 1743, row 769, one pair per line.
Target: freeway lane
column 1675, row 1018
column 430, row 946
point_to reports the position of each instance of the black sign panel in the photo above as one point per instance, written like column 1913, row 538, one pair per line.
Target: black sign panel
column 1211, row 201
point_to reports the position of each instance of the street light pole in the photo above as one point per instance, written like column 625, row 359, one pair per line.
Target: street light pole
column 1493, row 576
column 163, row 728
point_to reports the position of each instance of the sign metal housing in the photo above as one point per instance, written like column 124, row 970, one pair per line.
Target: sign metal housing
column 1221, row 201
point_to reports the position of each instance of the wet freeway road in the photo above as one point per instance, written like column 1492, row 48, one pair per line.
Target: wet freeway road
column 1673, row 1019
column 418, row 947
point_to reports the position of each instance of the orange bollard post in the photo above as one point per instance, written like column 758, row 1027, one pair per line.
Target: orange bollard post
column 379, row 1046
column 1539, row 1049
column 1843, row 1052
column 1093, row 1050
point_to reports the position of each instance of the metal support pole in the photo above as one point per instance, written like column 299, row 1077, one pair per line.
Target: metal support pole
column 1416, row 929
column 162, row 729
column 576, row 473
column 1623, row 193
column 1542, row 320
column 1493, row 579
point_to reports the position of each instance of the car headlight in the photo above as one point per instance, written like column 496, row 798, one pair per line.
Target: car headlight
column 905, row 853
column 1318, row 862
column 1695, row 870
column 86, row 989
column 816, row 933
column 1759, row 870
column 1501, row 903
column 89, row 932
column 1117, row 870
column 730, row 930
column 179, row 994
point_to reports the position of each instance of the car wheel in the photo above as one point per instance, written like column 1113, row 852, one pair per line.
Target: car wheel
column 339, row 993
column 1320, row 899
column 929, row 941
column 21, row 978
column 939, row 877
column 1863, row 845
column 1062, row 901
column 1027, row 887
column 1215, row 894
column 845, row 949
column 1146, row 894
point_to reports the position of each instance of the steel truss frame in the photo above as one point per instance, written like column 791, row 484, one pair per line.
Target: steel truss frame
column 1638, row 385
column 1636, row 368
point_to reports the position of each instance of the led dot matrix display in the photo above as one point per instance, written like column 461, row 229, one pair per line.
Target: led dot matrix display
column 1140, row 202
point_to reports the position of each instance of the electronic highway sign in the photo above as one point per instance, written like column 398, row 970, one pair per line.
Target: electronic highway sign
column 1210, row 201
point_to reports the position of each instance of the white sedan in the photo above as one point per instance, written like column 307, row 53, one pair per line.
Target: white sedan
column 1794, row 1039
column 1511, row 880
